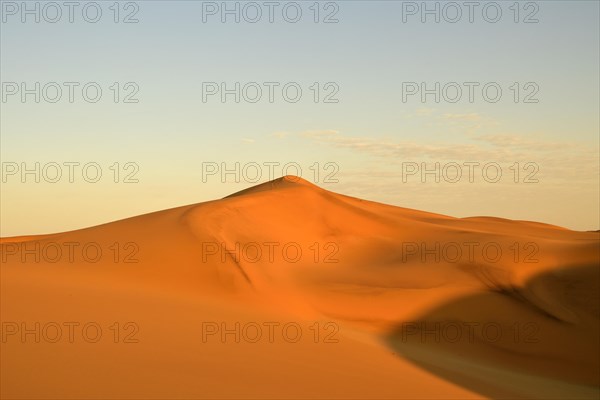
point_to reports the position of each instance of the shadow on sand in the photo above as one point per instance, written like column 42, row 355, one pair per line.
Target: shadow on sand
column 537, row 341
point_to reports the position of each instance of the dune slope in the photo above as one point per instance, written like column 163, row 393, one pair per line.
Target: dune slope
column 286, row 290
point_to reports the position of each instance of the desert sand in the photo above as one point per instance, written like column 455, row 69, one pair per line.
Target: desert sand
column 325, row 296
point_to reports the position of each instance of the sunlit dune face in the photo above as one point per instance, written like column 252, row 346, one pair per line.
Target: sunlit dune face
column 289, row 250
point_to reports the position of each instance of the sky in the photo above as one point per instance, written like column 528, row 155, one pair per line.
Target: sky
column 115, row 109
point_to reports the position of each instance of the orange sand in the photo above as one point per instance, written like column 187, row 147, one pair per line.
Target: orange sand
column 399, row 311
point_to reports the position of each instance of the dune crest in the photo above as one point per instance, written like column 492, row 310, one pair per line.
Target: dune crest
column 285, row 182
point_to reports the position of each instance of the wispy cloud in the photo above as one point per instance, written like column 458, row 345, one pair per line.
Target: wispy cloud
column 558, row 161
column 320, row 133
column 515, row 141
column 424, row 112
column 280, row 134
column 462, row 117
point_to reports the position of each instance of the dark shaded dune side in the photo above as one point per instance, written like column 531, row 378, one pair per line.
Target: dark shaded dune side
column 483, row 341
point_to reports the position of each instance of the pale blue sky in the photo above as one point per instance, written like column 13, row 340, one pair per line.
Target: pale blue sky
column 368, row 54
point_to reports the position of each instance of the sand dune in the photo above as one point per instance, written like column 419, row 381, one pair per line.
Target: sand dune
column 286, row 290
